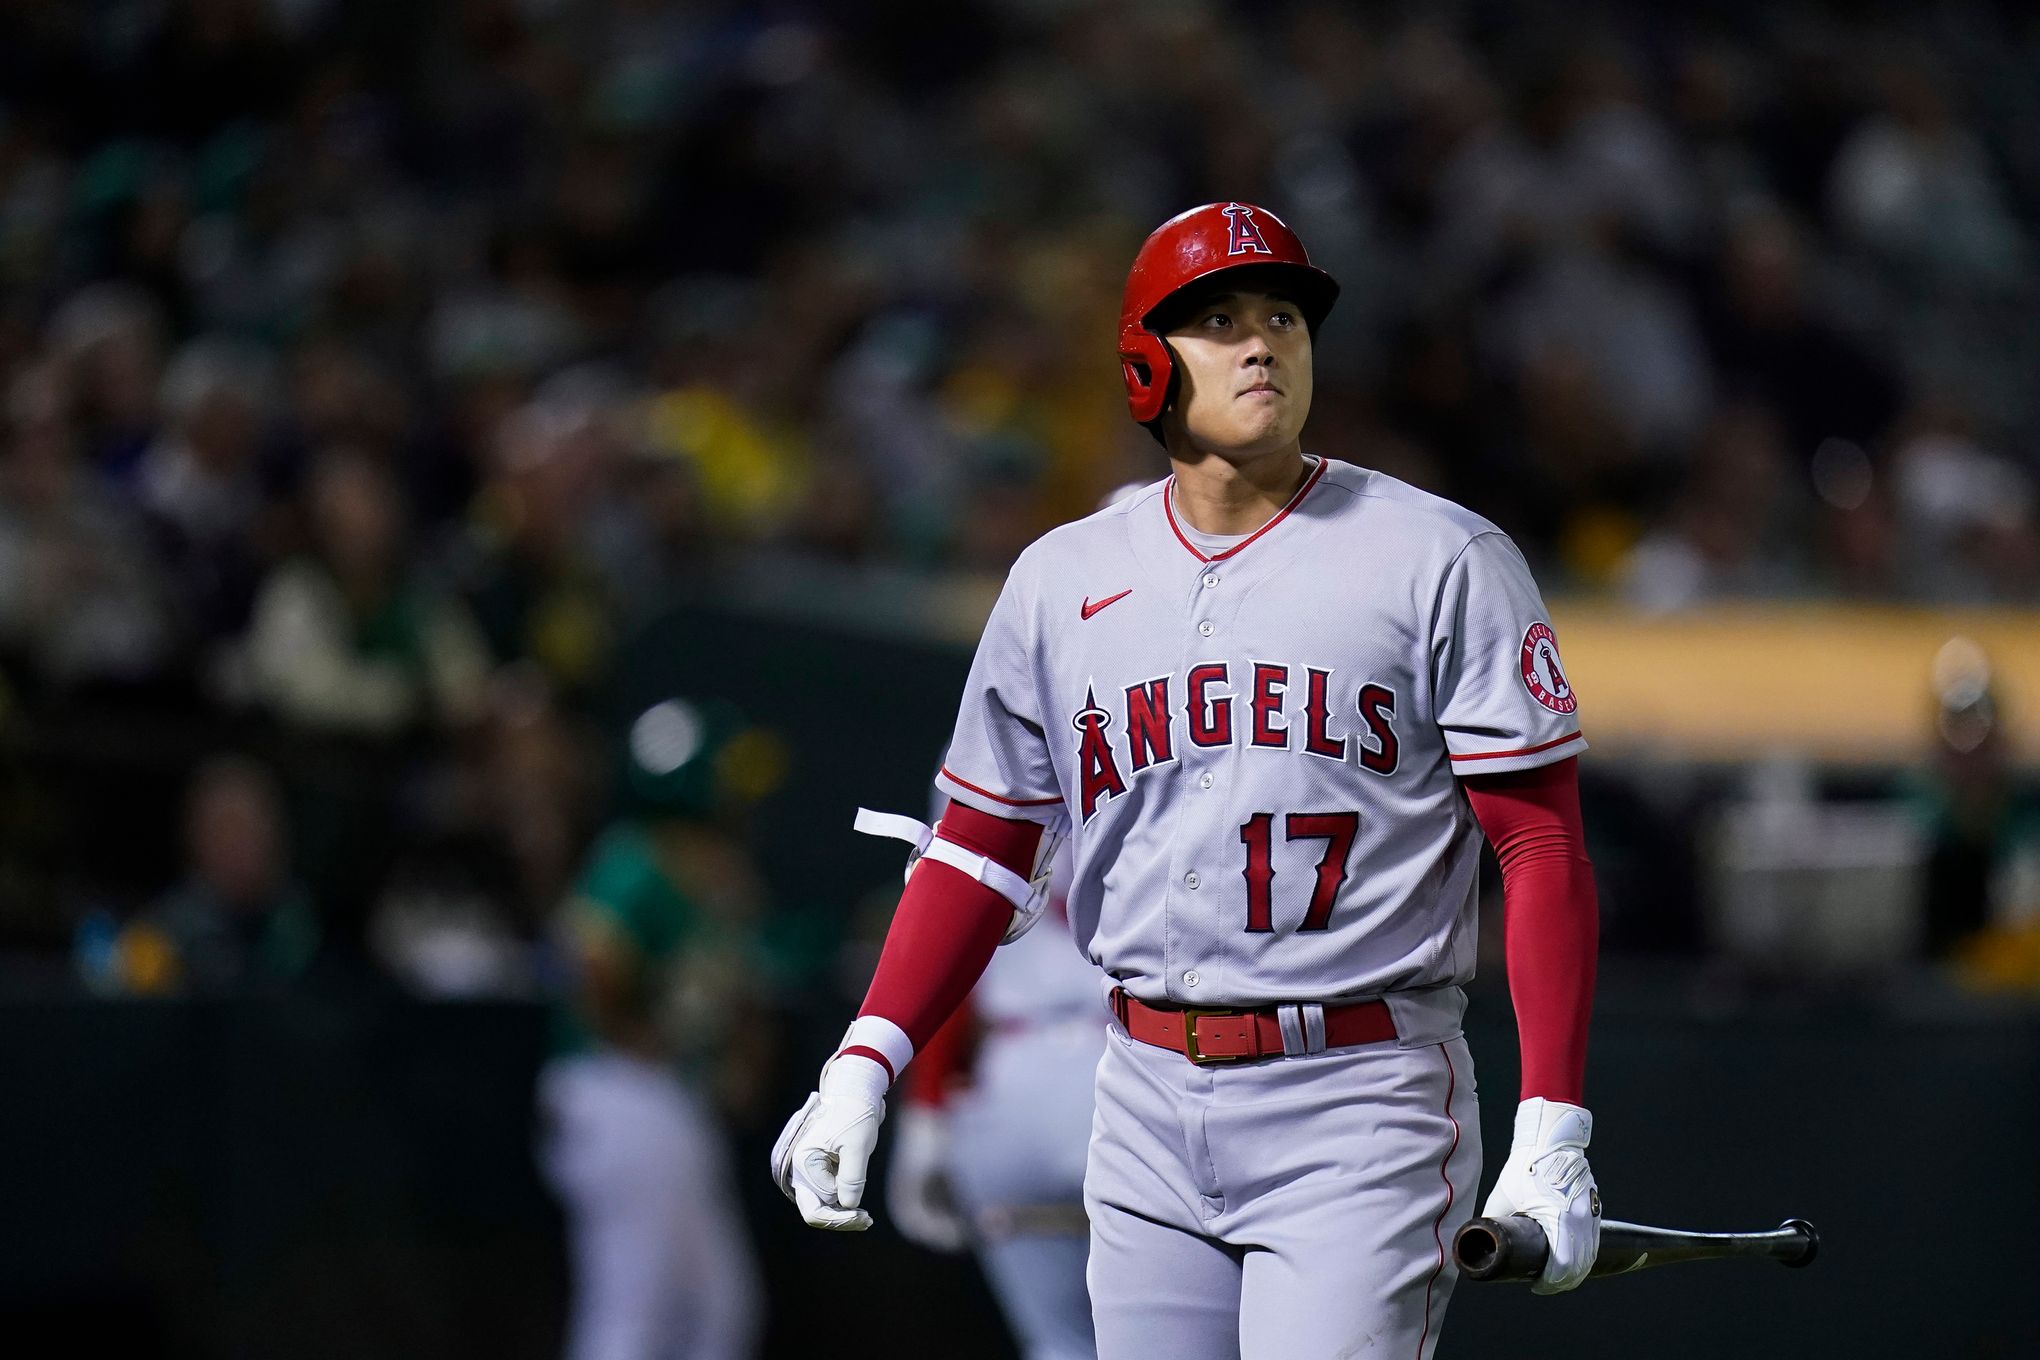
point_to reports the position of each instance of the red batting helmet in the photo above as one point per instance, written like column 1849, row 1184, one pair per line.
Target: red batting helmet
column 1192, row 247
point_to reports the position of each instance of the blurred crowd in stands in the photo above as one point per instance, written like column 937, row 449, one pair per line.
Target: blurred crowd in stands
column 370, row 372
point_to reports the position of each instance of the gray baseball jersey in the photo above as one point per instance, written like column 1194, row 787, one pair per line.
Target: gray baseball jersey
column 1255, row 751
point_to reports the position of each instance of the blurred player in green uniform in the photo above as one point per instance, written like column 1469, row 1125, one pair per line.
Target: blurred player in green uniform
column 664, row 1024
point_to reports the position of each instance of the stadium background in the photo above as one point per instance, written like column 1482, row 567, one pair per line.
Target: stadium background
column 399, row 398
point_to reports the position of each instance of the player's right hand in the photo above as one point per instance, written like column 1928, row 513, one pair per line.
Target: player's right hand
column 918, row 1193
column 824, row 1153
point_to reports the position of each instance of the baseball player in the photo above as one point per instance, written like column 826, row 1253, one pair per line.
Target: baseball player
column 663, row 933
column 1274, row 702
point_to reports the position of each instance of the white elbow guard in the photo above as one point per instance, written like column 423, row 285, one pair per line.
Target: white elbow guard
column 1029, row 896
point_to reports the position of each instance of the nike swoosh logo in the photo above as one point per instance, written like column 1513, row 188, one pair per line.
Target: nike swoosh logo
column 1089, row 609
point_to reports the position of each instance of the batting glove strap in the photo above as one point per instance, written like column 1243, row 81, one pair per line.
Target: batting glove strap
column 824, row 1153
column 1547, row 1179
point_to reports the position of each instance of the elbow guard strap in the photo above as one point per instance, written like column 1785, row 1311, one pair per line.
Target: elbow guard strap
column 1027, row 898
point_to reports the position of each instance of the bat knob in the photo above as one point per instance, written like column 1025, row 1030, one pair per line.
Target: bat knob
column 1477, row 1248
column 1810, row 1250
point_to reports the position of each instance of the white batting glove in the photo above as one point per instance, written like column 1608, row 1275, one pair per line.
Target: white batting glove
column 1547, row 1179
column 918, row 1194
column 824, row 1152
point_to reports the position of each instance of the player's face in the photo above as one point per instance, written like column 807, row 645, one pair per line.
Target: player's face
column 1243, row 361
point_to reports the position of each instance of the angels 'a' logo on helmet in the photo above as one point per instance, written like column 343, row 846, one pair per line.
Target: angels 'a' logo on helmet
column 1246, row 233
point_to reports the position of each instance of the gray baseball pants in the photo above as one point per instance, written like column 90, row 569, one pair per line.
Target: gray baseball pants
column 1293, row 1208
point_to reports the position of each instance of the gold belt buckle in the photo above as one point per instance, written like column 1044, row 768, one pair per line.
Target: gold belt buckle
column 1190, row 1050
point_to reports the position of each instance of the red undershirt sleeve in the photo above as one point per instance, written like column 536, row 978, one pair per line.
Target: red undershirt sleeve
column 1551, row 918
column 947, row 925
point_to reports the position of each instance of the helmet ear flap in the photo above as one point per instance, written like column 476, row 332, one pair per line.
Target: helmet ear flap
column 1148, row 367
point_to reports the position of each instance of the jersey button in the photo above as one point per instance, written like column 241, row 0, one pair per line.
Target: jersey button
column 1204, row 780
column 1190, row 979
column 1210, row 579
column 1191, row 879
column 1205, row 628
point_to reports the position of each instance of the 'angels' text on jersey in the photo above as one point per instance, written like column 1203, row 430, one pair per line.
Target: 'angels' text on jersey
column 1151, row 724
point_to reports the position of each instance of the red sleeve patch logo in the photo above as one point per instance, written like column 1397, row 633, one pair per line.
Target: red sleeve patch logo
column 1542, row 675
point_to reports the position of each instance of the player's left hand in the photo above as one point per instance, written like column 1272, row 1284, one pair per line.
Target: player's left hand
column 824, row 1152
column 1547, row 1178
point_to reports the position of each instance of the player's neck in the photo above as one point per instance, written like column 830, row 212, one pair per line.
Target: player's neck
column 1218, row 496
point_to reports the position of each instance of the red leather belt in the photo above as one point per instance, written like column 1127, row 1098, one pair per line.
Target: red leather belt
column 1217, row 1036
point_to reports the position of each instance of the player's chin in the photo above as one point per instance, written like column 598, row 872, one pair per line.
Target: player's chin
column 1261, row 430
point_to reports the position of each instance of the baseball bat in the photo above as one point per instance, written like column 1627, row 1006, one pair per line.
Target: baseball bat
column 1513, row 1248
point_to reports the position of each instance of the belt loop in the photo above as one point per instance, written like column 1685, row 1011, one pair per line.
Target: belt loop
column 1313, row 1028
column 1290, row 1018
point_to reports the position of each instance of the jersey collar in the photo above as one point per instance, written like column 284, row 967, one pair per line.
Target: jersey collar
column 1169, row 509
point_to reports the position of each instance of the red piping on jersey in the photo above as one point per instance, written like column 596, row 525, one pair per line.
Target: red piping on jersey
column 1497, row 755
column 997, row 798
column 1444, row 1174
column 1169, row 508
